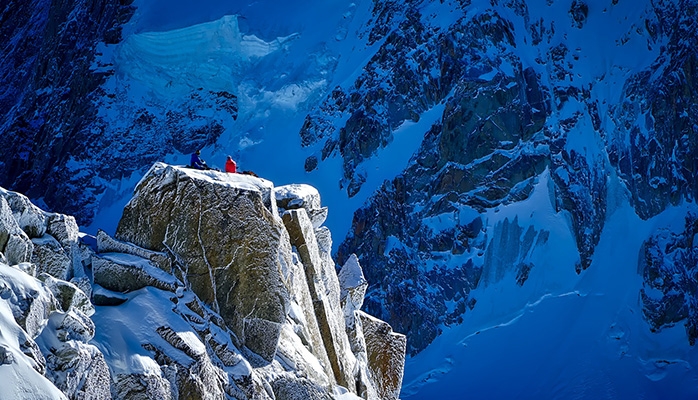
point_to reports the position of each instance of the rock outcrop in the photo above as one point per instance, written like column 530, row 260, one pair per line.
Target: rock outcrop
column 668, row 263
column 208, row 293
column 226, row 254
column 269, row 277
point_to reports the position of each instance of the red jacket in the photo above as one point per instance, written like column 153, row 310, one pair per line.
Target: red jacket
column 230, row 166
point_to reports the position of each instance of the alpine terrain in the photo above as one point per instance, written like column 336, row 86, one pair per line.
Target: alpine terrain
column 511, row 185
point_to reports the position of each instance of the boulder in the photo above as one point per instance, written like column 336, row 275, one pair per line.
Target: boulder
column 14, row 242
column 142, row 386
column 30, row 218
column 104, row 297
column 286, row 388
column 30, row 301
column 50, row 258
column 64, row 229
column 224, row 231
column 79, row 370
column 386, row 355
column 19, row 249
column 295, row 196
column 353, row 287
column 69, row 295
column 126, row 273
column 197, row 378
column 72, row 325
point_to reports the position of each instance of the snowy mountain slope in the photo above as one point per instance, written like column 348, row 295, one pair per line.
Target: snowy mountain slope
column 585, row 338
column 536, row 87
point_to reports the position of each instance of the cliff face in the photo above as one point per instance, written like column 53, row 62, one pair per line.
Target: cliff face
column 206, row 292
column 49, row 88
column 524, row 101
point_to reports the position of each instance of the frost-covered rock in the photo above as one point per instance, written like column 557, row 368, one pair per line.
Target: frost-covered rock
column 30, row 301
column 353, row 287
column 296, row 196
column 60, row 352
column 22, row 365
column 30, row 218
column 64, row 229
column 270, row 323
column 69, row 295
column 225, row 231
column 79, row 371
column 290, row 197
column 105, row 297
column 14, row 242
column 126, row 273
column 298, row 389
column 325, row 293
column 50, row 258
column 142, row 386
column 107, row 244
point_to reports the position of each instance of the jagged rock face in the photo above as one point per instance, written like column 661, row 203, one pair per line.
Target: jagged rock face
column 506, row 122
column 226, row 255
column 14, row 242
column 658, row 118
column 185, row 348
column 325, row 294
column 50, row 49
column 669, row 264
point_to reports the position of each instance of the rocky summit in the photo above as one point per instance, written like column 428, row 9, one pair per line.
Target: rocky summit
column 214, row 286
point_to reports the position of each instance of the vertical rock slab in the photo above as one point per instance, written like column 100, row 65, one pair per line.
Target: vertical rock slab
column 353, row 288
column 224, row 231
column 324, row 290
column 386, row 355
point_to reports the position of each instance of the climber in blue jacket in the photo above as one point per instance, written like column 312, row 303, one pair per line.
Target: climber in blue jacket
column 197, row 162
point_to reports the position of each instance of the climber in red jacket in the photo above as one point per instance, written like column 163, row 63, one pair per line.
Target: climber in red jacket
column 230, row 165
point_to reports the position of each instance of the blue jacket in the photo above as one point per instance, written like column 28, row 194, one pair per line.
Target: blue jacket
column 197, row 162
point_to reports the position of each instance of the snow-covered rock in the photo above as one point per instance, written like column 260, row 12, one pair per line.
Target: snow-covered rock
column 107, row 244
column 126, row 273
column 268, row 284
column 290, row 197
column 225, row 231
column 324, row 288
column 50, row 258
column 30, row 218
column 14, row 242
column 69, row 295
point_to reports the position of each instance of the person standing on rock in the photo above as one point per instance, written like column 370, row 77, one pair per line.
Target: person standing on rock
column 230, row 165
column 197, row 162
